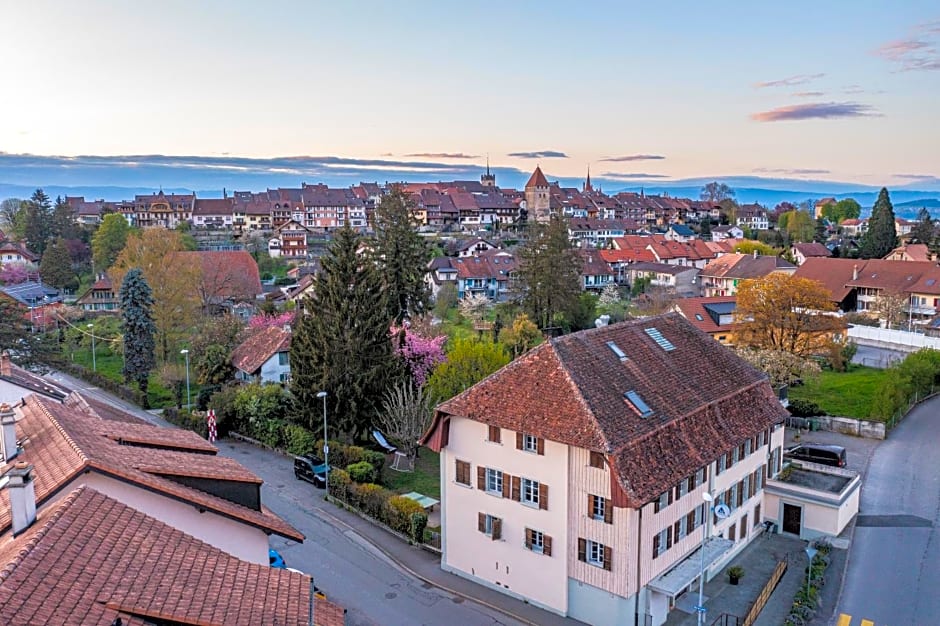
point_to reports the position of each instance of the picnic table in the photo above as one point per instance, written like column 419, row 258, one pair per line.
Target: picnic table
column 427, row 502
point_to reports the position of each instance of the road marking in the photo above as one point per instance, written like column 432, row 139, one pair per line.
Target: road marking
column 867, row 622
column 844, row 620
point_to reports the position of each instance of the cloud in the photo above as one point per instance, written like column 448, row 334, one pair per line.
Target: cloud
column 789, row 81
column 634, row 157
column 816, row 110
column 631, row 176
column 540, row 154
column 790, row 171
column 443, row 155
column 915, row 176
column 808, row 94
column 919, row 52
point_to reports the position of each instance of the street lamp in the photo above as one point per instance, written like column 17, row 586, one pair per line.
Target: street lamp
column 326, row 446
column 94, row 364
column 810, row 552
column 185, row 353
column 700, row 609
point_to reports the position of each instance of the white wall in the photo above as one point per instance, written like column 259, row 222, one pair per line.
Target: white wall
column 271, row 370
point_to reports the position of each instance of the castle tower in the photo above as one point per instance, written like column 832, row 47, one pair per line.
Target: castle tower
column 488, row 180
column 537, row 197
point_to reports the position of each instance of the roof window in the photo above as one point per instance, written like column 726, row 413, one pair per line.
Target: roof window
column 637, row 403
column 616, row 350
column 657, row 336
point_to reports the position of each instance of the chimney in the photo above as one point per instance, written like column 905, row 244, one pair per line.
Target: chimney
column 5, row 363
column 8, row 432
column 855, row 272
column 22, row 497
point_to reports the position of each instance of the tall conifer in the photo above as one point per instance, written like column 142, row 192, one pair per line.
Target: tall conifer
column 881, row 236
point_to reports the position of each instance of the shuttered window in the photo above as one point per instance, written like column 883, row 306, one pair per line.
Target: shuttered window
column 597, row 460
column 463, row 472
column 537, row 541
column 494, row 435
column 490, row 525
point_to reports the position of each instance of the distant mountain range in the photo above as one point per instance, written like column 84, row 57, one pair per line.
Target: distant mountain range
column 121, row 177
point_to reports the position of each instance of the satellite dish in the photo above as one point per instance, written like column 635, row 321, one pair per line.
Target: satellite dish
column 722, row 511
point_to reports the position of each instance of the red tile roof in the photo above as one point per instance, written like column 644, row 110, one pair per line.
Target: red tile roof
column 834, row 274
column 694, row 308
column 537, row 179
column 230, row 274
column 91, row 559
column 744, row 266
column 62, row 440
column 812, row 249
column 259, row 347
column 704, row 400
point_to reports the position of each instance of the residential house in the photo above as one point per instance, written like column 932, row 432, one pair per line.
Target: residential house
column 680, row 232
column 100, row 296
column 595, row 272
column 488, row 273
column 854, row 227
column 911, row 252
column 88, row 213
column 803, row 251
column 821, row 204
column 36, row 300
column 102, row 561
column 679, row 279
column 720, row 233
column 441, row 270
column 14, row 252
column 474, row 246
column 721, row 276
column 904, row 227
column 573, row 477
column 213, row 213
column 264, row 357
column 713, row 316
column 167, row 210
column 302, row 289
column 752, row 216
column 594, row 232
column 834, row 274
column 172, row 475
column 16, row 382
column 328, row 209
column 290, row 241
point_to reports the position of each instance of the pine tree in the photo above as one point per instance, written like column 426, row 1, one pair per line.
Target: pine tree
column 56, row 266
column 62, row 220
column 138, row 328
column 881, row 236
column 29, row 349
column 925, row 230
column 550, row 274
column 38, row 221
column 341, row 343
column 705, row 231
column 401, row 255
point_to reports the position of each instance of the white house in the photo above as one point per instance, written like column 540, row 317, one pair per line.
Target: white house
column 264, row 356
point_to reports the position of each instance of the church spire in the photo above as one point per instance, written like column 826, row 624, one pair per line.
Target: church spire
column 587, row 183
column 488, row 180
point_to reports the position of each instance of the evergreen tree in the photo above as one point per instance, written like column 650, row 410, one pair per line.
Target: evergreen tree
column 550, row 274
column 109, row 240
column 881, row 236
column 925, row 231
column 341, row 343
column 62, row 220
column 705, row 231
column 31, row 349
column 38, row 221
column 56, row 266
column 401, row 255
column 820, row 235
column 138, row 328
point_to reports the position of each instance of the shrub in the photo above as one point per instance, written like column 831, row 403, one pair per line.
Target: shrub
column 371, row 499
column 399, row 510
column 361, row 472
column 419, row 522
column 298, row 440
column 340, row 484
column 804, row 408
column 205, row 395
column 354, row 454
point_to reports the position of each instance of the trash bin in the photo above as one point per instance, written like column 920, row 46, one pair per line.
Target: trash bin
column 813, row 426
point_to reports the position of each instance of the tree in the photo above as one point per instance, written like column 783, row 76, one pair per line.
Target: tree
column 891, row 307
column 14, row 273
column 56, row 266
column 405, row 415
column 446, row 299
column 27, row 348
column 138, row 328
column 12, row 217
column 62, row 220
column 419, row 354
column 837, row 212
column 468, row 362
column 782, row 367
column 819, row 234
column 550, row 274
column 211, row 348
column 750, row 247
column 705, row 229
column 881, row 236
column 340, row 342
column 109, row 240
column 785, row 312
column 715, row 192
column 522, row 336
column 401, row 255
column 38, row 221
column 925, row 231
column 780, row 209
column 474, row 306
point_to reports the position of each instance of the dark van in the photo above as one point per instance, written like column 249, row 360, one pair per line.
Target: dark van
column 818, row 453
column 311, row 469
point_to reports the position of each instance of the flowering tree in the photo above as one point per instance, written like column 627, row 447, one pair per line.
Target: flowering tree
column 420, row 354
column 14, row 273
column 265, row 320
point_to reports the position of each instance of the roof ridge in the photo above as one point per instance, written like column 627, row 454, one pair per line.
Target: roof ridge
column 9, row 569
column 68, row 438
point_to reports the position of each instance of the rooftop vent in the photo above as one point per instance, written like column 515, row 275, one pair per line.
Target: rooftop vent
column 616, row 350
column 657, row 336
column 634, row 399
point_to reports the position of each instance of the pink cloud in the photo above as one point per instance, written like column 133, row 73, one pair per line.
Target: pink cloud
column 816, row 110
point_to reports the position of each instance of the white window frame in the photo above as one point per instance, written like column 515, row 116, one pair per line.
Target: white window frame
column 538, row 541
column 488, row 524
column 494, row 481
column 600, row 508
column 594, row 553
column 530, row 443
column 529, row 492
column 662, row 542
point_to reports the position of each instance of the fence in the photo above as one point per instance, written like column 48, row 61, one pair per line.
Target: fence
column 892, row 339
column 768, row 589
column 726, row 619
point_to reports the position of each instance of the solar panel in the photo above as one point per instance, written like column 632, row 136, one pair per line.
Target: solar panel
column 657, row 336
column 641, row 407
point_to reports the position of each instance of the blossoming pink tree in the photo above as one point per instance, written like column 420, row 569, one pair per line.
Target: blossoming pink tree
column 421, row 354
column 265, row 320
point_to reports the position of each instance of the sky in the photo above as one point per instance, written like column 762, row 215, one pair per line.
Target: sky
column 831, row 91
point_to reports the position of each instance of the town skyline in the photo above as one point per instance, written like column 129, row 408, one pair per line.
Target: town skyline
column 846, row 100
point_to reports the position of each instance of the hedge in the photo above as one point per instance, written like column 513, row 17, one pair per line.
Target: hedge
column 361, row 472
column 399, row 513
column 122, row 391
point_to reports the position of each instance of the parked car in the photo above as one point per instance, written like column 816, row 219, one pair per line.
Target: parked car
column 310, row 468
column 823, row 454
column 275, row 559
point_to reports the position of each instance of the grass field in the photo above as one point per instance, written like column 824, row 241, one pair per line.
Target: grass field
column 425, row 479
column 845, row 394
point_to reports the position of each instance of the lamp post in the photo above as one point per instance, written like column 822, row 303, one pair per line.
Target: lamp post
column 94, row 364
column 185, row 353
column 700, row 609
column 326, row 446
column 810, row 552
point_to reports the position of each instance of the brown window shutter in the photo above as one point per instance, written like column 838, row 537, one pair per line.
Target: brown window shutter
column 516, row 489
column 543, row 496
column 597, row 460
column 731, row 530
column 691, row 483
column 445, row 433
column 497, row 528
column 518, row 441
column 582, row 550
column 675, row 528
column 757, row 519
column 591, row 505
column 670, row 497
column 546, row 545
column 540, row 445
column 507, row 479
column 656, row 505
column 751, row 483
column 608, row 557
column 743, row 532
column 656, row 545
column 528, row 538
column 481, row 522
column 740, row 493
column 705, row 475
column 690, row 522
column 608, row 512
column 668, row 537
column 481, row 477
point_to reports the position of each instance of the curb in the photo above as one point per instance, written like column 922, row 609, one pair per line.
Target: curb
column 428, row 580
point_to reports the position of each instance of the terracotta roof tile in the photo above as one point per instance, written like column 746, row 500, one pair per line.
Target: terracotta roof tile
column 90, row 559
column 537, row 179
column 694, row 308
column 812, row 249
column 259, row 347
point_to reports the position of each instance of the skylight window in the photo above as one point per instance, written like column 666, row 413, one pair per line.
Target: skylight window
column 616, row 350
column 657, row 336
column 638, row 404
column 699, row 317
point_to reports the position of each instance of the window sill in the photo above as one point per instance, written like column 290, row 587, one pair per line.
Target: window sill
column 495, row 494
column 531, row 505
column 459, row 484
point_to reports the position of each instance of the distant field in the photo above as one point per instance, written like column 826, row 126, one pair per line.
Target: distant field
column 845, row 394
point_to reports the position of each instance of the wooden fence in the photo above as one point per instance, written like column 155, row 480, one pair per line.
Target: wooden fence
column 764, row 596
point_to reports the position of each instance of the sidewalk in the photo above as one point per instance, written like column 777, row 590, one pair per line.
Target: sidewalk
column 427, row 567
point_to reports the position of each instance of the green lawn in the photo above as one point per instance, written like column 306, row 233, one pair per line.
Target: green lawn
column 425, row 479
column 845, row 394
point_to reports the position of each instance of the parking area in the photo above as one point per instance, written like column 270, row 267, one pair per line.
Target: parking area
column 858, row 450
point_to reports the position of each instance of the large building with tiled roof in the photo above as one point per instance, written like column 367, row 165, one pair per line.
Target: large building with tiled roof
column 721, row 276
column 714, row 315
column 16, row 382
column 172, row 475
column 573, row 477
column 264, row 356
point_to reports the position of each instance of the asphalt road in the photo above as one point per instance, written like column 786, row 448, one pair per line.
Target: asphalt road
column 894, row 564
